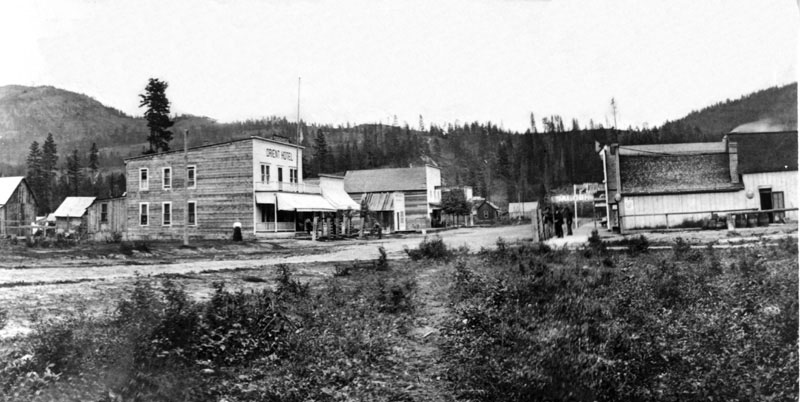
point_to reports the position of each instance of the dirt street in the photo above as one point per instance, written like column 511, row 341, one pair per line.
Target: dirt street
column 474, row 238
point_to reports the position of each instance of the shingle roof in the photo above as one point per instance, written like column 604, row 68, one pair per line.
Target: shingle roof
column 766, row 152
column 7, row 187
column 675, row 168
column 73, row 207
column 381, row 180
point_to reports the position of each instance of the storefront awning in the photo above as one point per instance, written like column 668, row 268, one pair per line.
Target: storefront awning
column 339, row 199
column 303, row 203
column 265, row 198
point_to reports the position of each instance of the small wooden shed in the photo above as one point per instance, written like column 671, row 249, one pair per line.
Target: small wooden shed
column 71, row 214
column 106, row 219
column 488, row 212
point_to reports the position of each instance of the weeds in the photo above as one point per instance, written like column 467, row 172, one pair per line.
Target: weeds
column 430, row 249
column 289, row 285
column 383, row 263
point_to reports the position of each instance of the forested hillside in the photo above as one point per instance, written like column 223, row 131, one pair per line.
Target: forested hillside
column 503, row 164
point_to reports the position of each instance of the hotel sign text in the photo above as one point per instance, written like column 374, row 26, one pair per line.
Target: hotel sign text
column 274, row 153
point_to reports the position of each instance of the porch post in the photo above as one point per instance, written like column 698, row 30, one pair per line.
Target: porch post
column 275, row 212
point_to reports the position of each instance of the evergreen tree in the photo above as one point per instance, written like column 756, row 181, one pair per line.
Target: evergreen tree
column 157, row 115
column 93, row 154
column 35, row 173
column 49, row 168
column 74, row 173
column 321, row 152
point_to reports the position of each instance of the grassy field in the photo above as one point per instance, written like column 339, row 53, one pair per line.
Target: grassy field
column 516, row 322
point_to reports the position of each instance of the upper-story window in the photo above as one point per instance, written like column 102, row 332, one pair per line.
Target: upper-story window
column 166, row 178
column 191, row 176
column 280, row 174
column 166, row 213
column 293, row 175
column 144, row 184
column 264, row 173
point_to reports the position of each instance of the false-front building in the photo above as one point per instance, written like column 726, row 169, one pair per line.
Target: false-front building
column 255, row 183
column 400, row 198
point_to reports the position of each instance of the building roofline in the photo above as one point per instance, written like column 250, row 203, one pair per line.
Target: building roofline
column 248, row 138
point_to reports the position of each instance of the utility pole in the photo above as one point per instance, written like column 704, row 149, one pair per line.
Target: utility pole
column 614, row 111
column 186, row 189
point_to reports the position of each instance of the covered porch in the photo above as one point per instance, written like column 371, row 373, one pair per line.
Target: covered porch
column 285, row 213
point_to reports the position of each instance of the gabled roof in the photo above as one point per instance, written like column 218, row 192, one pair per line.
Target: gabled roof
column 766, row 152
column 382, row 180
column 491, row 204
column 73, row 207
column 7, row 187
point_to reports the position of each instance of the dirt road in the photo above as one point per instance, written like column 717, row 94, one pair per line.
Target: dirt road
column 474, row 238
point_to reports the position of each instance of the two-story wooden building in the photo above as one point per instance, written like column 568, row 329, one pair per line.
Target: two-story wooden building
column 254, row 182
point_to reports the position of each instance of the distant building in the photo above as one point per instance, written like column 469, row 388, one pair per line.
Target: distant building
column 17, row 206
column 107, row 218
column 487, row 212
column 666, row 185
column 468, row 219
column 255, row 182
column 71, row 214
column 403, row 198
column 518, row 210
column 332, row 190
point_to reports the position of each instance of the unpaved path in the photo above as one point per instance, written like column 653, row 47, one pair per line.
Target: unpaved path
column 417, row 352
column 474, row 238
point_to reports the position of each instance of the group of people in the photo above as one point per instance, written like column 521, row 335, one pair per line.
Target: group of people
column 554, row 219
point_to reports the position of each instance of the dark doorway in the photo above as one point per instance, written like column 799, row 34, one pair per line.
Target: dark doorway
column 765, row 195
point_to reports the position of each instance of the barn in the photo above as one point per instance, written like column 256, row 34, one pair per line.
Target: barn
column 674, row 185
column 17, row 206
column 255, row 183
column 402, row 198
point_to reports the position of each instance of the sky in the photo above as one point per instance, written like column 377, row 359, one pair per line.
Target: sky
column 368, row 61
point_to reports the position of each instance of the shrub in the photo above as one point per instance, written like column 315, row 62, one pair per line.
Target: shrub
column 341, row 270
column 383, row 262
column 430, row 249
column 395, row 296
column 638, row 244
column 3, row 318
column 289, row 285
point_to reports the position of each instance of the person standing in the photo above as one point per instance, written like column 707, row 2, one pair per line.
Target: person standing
column 568, row 216
column 559, row 218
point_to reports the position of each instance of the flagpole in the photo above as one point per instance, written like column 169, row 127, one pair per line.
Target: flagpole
column 297, row 140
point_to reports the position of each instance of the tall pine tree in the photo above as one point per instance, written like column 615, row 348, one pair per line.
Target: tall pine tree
column 74, row 172
column 35, row 173
column 157, row 115
column 49, row 168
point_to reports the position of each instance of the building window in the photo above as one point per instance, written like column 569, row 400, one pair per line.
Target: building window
column 192, row 213
column 166, row 178
column 144, row 213
column 166, row 213
column 104, row 213
column 264, row 173
column 280, row 174
column 144, row 184
column 485, row 214
column 293, row 175
column 191, row 181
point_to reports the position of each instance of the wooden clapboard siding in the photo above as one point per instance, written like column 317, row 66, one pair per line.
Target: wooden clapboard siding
column 18, row 211
column 785, row 181
column 661, row 204
column 116, row 222
column 416, row 208
column 223, row 192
